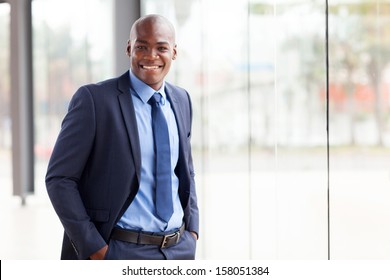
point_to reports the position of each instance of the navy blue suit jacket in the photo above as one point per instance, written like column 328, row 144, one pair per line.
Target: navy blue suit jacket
column 94, row 171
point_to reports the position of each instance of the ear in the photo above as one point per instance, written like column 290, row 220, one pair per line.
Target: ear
column 174, row 53
column 128, row 48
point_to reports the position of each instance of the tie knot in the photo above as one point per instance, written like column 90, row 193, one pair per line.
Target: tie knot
column 155, row 99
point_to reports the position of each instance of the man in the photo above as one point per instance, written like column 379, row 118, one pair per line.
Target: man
column 105, row 175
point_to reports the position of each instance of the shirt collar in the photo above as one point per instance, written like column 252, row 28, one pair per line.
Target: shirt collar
column 144, row 91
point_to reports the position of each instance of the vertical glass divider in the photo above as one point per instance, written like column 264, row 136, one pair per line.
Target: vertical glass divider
column 327, row 116
column 249, row 129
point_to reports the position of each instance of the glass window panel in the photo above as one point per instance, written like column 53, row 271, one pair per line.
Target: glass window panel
column 227, row 124
column 299, row 125
column 360, row 129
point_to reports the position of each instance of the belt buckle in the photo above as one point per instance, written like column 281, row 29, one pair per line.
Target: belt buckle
column 167, row 237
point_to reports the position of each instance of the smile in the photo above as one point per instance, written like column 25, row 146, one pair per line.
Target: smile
column 153, row 67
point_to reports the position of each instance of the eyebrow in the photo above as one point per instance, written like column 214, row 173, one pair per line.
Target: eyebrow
column 145, row 42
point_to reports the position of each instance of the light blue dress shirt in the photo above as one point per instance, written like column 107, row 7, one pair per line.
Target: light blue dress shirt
column 141, row 214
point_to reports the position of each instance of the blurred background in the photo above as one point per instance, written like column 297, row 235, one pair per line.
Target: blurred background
column 272, row 181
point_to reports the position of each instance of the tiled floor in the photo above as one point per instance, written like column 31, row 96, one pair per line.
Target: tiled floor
column 27, row 232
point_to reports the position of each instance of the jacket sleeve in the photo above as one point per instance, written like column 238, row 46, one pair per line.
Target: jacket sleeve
column 65, row 169
column 192, row 204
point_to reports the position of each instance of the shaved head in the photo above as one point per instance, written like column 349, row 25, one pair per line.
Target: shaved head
column 152, row 20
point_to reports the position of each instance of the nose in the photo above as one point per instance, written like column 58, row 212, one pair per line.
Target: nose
column 151, row 54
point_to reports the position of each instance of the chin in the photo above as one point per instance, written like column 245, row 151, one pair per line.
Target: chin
column 155, row 84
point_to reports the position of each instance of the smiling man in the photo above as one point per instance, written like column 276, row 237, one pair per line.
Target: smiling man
column 121, row 176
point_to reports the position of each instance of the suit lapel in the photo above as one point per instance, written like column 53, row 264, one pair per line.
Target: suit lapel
column 182, row 166
column 128, row 113
column 177, row 111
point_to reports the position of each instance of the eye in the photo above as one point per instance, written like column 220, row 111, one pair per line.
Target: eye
column 140, row 47
column 163, row 49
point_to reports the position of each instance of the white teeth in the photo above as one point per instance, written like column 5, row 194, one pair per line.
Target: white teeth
column 150, row 67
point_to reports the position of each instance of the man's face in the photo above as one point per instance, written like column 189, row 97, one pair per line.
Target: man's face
column 151, row 49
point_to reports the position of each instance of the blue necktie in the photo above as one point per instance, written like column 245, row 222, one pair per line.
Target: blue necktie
column 162, row 150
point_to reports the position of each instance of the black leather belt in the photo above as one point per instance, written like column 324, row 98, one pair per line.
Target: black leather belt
column 163, row 241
